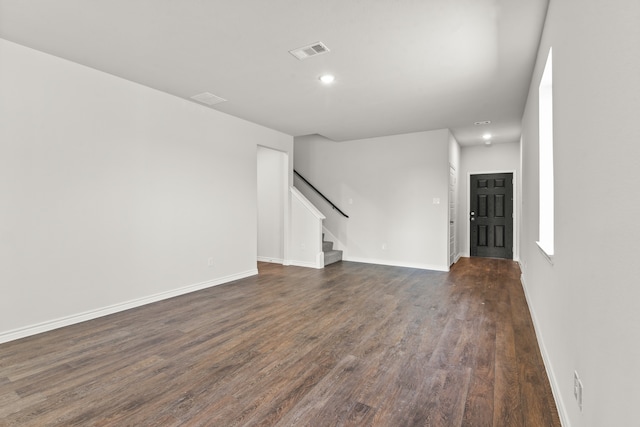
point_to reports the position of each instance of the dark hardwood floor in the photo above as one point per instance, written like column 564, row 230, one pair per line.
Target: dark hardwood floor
column 353, row 344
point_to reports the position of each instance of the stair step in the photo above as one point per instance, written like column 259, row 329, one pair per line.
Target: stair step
column 332, row 256
column 327, row 246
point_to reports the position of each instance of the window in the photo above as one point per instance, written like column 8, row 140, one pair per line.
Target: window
column 546, row 225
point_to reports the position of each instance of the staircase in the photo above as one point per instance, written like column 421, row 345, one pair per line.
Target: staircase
column 330, row 255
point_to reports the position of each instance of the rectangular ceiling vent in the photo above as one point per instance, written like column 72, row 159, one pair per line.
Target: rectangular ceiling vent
column 208, row 98
column 305, row 52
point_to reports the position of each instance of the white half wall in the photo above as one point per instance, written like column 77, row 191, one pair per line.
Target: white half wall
column 585, row 303
column 394, row 189
column 113, row 193
column 483, row 159
column 306, row 232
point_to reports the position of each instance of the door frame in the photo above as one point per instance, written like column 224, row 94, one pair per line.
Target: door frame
column 456, row 216
column 516, row 212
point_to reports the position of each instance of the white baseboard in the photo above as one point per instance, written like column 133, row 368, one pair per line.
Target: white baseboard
column 306, row 264
column 319, row 263
column 555, row 387
column 399, row 264
column 115, row 308
column 271, row 260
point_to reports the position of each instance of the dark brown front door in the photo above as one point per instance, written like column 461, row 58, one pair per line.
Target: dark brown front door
column 491, row 216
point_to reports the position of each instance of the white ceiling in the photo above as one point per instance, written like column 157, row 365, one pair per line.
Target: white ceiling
column 400, row 65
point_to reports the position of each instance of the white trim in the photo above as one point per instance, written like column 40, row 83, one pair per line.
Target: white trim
column 115, row 308
column 516, row 212
column 398, row 264
column 548, row 256
column 320, row 258
column 546, row 216
column 454, row 219
column 555, row 386
column 271, row 260
column 305, row 264
column 286, row 227
column 298, row 195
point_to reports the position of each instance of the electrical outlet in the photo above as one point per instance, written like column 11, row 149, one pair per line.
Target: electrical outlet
column 210, row 262
column 384, row 246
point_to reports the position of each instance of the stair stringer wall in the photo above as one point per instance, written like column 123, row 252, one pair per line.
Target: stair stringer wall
column 306, row 232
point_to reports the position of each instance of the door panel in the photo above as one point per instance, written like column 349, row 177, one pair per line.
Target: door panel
column 499, row 205
column 499, row 236
column 491, row 216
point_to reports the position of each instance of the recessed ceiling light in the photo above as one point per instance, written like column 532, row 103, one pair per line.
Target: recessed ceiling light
column 486, row 136
column 484, row 122
column 327, row 79
column 487, row 143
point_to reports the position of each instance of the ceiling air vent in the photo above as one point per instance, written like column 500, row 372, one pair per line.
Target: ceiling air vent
column 208, row 98
column 305, row 52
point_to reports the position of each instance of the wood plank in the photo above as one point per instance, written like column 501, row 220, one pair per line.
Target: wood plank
column 353, row 344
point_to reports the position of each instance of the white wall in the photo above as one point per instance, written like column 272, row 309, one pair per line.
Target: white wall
column 482, row 159
column 585, row 305
column 272, row 204
column 114, row 194
column 386, row 185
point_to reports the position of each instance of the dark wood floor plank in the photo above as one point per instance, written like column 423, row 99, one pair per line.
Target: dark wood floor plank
column 480, row 397
column 351, row 345
column 507, row 397
column 479, row 404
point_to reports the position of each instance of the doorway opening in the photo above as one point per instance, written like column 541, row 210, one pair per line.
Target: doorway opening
column 272, row 204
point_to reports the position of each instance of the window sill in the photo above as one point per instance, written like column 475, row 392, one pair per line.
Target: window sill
column 548, row 254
